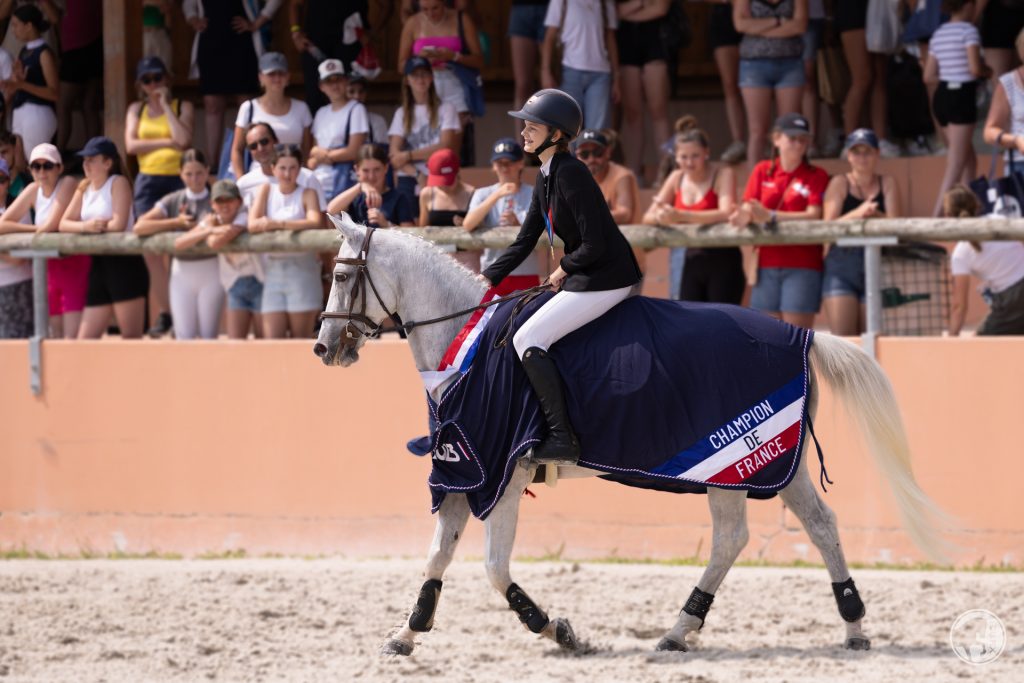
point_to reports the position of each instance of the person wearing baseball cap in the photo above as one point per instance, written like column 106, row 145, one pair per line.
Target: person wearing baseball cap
column 504, row 204
column 445, row 200
column 597, row 271
column 618, row 183
column 787, row 282
column 103, row 204
column 859, row 193
column 421, row 126
column 340, row 128
column 290, row 117
column 39, row 209
column 157, row 116
column 241, row 274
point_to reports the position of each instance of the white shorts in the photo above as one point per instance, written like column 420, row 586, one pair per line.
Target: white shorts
column 565, row 312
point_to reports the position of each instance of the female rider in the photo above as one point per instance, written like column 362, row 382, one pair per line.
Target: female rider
column 597, row 271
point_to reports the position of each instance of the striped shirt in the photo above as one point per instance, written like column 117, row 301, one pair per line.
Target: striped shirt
column 949, row 44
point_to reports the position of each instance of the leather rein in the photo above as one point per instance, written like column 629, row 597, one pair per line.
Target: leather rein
column 371, row 330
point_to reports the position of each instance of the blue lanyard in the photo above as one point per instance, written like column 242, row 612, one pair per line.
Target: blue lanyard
column 551, row 232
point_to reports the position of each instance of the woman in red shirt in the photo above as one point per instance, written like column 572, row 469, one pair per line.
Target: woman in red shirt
column 699, row 193
column 786, row 188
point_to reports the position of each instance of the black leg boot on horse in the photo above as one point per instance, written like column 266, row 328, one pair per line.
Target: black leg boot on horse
column 561, row 445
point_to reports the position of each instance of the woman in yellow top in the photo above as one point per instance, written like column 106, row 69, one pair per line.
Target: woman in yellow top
column 157, row 129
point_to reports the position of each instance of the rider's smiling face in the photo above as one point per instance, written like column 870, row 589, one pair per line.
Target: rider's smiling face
column 533, row 135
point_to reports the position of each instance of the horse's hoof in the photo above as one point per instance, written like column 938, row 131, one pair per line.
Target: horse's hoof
column 565, row 636
column 858, row 643
column 669, row 645
column 396, row 647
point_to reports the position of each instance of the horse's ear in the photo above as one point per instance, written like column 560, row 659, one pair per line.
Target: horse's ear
column 349, row 229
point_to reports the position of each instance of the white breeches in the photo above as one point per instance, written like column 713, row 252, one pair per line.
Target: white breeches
column 197, row 297
column 564, row 313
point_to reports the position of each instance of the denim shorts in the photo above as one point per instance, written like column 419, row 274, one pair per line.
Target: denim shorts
column 772, row 73
column 292, row 284
column 246, row 294
column 787, row 290
column 527, row 21
column 844, row 273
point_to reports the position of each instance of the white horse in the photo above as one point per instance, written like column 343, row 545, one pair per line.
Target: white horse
column 416, row 280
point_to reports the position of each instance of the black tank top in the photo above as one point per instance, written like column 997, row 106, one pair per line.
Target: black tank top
column 442, row 217
column 850, row 202
column 31, row 59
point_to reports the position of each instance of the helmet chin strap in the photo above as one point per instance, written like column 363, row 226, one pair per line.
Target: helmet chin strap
column 548, row 142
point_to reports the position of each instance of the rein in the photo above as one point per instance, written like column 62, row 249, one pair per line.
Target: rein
column 352, row 333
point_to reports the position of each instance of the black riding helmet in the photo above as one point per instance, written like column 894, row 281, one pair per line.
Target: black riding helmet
column 553, row 108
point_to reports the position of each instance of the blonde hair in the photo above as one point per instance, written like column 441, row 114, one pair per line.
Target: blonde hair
column 960, row 202
column 409, row 104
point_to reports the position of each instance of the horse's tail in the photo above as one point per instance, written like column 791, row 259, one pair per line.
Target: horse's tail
column 868, row 396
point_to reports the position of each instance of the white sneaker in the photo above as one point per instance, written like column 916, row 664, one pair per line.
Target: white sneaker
column 918, row 147
column 889, row 150
column 735, row 152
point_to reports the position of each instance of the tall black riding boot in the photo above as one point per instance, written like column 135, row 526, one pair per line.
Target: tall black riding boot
column 561, row 445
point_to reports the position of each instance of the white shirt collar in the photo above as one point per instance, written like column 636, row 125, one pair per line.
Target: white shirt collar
column 546, row 166
column 33, row 44
column 189, row 194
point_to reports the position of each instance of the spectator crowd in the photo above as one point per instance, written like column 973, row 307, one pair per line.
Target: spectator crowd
column 282, row 162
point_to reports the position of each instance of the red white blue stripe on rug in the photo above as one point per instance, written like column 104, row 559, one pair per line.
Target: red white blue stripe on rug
column 747, row 444
column 462, row 350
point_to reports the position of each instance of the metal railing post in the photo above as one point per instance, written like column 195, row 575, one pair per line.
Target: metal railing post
column 40, row 314
column 872, row 285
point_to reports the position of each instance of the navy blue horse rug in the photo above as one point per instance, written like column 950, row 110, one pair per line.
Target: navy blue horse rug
column 663, row 394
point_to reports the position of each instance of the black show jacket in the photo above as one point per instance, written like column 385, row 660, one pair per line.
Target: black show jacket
column 597, row 255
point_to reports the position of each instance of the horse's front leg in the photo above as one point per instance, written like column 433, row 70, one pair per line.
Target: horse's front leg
column 451, row 523
column 729, row 535
column 501, row 534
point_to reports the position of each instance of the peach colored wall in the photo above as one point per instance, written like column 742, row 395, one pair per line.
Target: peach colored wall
column 213, row 446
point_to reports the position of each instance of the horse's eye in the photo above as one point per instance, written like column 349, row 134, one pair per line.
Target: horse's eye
column 340, row 277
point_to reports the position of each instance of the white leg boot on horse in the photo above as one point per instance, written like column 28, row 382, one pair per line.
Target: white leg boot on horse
column 729, row 538
column 451, row 523
column 500, row 529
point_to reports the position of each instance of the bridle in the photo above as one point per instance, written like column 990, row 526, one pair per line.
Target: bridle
column 352, row 333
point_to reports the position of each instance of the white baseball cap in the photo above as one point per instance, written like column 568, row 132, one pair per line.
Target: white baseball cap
column 330, row 68
column 45, row 151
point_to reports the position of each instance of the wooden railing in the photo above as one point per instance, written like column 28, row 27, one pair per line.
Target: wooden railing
column 640, row 236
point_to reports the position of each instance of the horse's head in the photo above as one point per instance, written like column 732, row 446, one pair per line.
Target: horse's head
column 362, row 294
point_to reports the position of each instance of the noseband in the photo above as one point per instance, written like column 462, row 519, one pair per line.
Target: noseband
column 352, row 332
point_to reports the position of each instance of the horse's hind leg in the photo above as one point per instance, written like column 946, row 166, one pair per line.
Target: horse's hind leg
column 451, row 523
column 501, row 534
column 729, row 537
column 820, row 523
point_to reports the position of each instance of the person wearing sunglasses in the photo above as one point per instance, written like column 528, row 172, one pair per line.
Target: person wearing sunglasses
column 32, row 89
column 39, row 208
column 260, row 140
column 157, row 129
column 618, row 183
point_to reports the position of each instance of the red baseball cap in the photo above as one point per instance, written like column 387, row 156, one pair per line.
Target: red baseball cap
column 443, row 167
